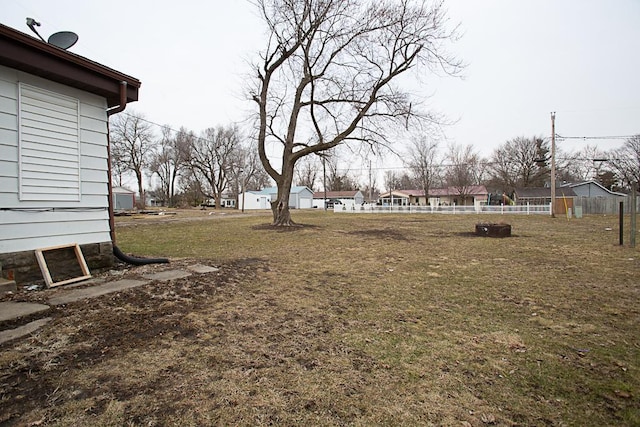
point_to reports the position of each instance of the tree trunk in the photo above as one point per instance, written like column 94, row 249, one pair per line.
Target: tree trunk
column 280, row 206
column 172, row 189
column 281, row 213
column 141, row 190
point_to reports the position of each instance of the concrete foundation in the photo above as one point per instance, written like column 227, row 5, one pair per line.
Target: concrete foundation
column 23, row 268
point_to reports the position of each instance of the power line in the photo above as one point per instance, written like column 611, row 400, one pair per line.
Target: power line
column 596, row 137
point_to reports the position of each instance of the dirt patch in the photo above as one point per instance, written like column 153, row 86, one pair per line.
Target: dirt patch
column 280, row 229
column 38, row 375
column 177, row 216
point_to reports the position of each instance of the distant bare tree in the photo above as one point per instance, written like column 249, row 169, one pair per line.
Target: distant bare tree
column 625, row 161
column 328, row 76
column 463, row 171
column 192, row 194
column 585, row 164
column 212, row 158
column 259, row 178
column 307, row 172
column 171, row 157
column 519, row 162
column 391, row 180
column 119, row 167
column 132, row 139
column 247, row 172
column 424, row 163
column 338, row 179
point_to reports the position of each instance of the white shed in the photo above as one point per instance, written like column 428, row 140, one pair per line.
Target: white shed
column 123, row 198
column 299, row 198
column 54, row 180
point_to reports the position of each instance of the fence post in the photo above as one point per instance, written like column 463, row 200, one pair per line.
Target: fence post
column 528, row 213
column 634, row 190
column 621, row 223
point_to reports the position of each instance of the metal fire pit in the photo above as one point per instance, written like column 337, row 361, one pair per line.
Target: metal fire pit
column 493, row 230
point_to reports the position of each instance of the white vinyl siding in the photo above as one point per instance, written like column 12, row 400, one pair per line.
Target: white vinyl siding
column 77, row 213
column 49, row 148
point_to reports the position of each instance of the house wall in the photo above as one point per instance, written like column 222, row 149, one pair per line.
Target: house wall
column 590, row 190
column 303, row 199
column 48, row 216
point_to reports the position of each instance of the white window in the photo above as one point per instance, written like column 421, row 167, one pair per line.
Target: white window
column 49, row 145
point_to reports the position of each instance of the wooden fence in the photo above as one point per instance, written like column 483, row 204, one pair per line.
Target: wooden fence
column 605, row 205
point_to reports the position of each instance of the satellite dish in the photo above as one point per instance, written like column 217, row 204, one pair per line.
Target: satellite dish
column 63, row 39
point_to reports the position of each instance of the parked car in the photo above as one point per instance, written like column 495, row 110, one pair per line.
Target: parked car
column 332, row 202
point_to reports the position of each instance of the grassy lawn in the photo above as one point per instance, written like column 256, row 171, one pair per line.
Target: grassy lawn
column 365, row 320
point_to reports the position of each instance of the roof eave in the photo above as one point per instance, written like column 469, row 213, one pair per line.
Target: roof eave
column 30, row 55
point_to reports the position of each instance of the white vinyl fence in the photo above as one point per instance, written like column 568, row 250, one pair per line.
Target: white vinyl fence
column 478, row 209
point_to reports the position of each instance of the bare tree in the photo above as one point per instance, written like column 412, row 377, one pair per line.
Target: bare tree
column 247, row 173
column 132, row 139
column 585, row 164
column 463, row 171
column 213, row 156
column 119, row 167
column 307, row 172
column 258, row 179
column 328, row 76
column 391, row 180
column 424, row 163
column 625, row 161
column 170, row 159
column 337, row 179
column 399, row 181
column 519, row 162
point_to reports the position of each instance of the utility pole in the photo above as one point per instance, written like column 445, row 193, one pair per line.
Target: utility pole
column 553, row 164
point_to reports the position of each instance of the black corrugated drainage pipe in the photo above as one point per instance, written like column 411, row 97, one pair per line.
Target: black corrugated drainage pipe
column 116, row 251
column 137, row 261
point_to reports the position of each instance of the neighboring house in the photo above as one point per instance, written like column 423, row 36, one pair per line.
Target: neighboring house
column 299, row 198
column 397, row 197
column 474, row 196
column 227, row 201
column 593, row 198
column 592, row 189
column 542, row 196
column 154, row 202
column 344, row 197
column 54, row 167
column 123, row 199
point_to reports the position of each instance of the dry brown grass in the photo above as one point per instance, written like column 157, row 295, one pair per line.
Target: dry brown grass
column 349, row 320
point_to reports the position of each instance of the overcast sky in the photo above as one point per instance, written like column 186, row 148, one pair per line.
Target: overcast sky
column 526, row 58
